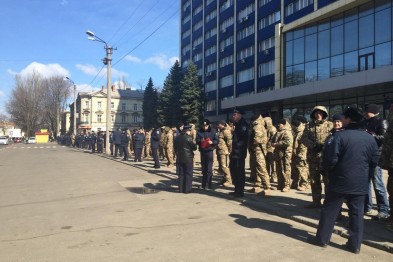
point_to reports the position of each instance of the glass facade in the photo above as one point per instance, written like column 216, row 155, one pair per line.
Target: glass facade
column 356, row 40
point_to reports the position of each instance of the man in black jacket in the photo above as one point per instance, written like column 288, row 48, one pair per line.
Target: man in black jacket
column 376, row 126
column 239, row 152
column 184, row 147
column 155, row 145
column 348, row 156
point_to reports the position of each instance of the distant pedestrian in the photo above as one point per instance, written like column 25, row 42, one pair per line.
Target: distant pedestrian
column 139, row 141
column 155, row 145
column 224, row 148
column 347, row 157
column 125, row 138
column 184, row 150
column 117, row 142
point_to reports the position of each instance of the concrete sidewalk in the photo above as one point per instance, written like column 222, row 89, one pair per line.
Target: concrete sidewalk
column 289, row 205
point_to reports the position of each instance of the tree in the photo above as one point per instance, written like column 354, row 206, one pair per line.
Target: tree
column 26, row 104
column 191, row 100
column 150, row 106
column 169, row 110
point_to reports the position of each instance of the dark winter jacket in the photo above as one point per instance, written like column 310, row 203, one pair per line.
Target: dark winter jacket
column 348, row 156
column 184, row 147
column 155, row 138
column 117, row 137
column 124, row 139
column 376, row 126
column 211, row 134
column 139, row 140
column 240, row 139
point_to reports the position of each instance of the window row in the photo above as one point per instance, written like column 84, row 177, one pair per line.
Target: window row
column 245, row 12
column 269, row 20
column 224, row 6
column 245, row 32
column 296, row 6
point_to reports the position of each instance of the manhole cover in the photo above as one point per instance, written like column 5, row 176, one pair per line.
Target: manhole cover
column 142, row 190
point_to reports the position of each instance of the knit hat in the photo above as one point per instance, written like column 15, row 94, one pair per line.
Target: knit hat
column 372, row 108
column 337, row 117
column 221, row 122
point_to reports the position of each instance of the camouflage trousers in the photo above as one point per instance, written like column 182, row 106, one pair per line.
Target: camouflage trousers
column 169, row 156
column 283, row 166
column 271, row 166
column 317, row 175
column 147, row 150
column 223, row 162
column 300, row 173
column 261, row 175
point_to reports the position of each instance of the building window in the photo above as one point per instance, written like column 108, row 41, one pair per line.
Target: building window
column 245, row 75
column 186, row 49
column 197, row 57
column 211, row 16
column 197, row 41
column 186, row 34
column 226, row 81
column 211, row 50
column 186, row 19
column 186, row 63
column 264, row 2
column 198, row 10
column 86, row 104
column 85, row 118
column 266, row 69
column 266, row 44
column 227, row 23
column 224, row 6
column 247, row 52
column 135, row 107
column 226, row 42
column 269, row 20
column 245, row 32
column 99, row 104
column 123, row 106
column 135, row 118
column 112, row 105
column 228, row 60
column 296, row 6
column 211, row 105
column 208, row 2
column 99, row 118
column 186, row 5
column 210, row 68
column 198, row 25
column 211, row 86
column 243, row 14
column 123, row 118
column 211, row 33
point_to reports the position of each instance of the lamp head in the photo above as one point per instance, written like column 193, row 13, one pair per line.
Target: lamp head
column 90, row 33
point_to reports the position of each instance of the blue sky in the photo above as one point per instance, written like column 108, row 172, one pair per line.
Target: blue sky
column 49, row 37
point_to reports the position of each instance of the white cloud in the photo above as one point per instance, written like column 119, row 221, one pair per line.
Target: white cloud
column 93, row 71
column 162, row 61
column 2, row 94
column 132, row 58
column 45, row 71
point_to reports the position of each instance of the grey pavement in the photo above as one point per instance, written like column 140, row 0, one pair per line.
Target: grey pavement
column 291, row 205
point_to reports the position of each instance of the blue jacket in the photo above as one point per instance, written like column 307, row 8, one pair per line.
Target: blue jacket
column 204, row 134
column 139, row 140
column 348, row 156
column 117, row 137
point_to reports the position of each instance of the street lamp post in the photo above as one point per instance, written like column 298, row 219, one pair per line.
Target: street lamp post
column 74, row 115
column 107, row 61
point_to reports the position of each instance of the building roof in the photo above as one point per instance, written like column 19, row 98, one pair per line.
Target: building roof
column 117, row 93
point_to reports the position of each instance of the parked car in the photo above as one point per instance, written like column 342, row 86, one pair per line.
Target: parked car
column 18, row 140
column 31, row 140
column 3, row 140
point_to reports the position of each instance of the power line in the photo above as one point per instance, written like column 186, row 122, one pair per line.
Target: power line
column 140, row 19
column 146, row 38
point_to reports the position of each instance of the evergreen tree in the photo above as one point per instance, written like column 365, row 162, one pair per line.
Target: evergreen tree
column 150, row 106
column 192, row 95
column 169, row 109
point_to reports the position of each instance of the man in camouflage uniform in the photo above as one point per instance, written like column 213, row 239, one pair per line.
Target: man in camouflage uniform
column 282, row 142
column 168, row 146
column 386, row 162
column 270, row 164
column 162, row 140
column 147, row 143
column 314, row 137
column 224, row 147
column 257, row 145
column 299, row 156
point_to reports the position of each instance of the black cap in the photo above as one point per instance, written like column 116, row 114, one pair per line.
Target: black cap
column 282, row 121
column 238, row 110
column 338, row 117
column 355, row 114
column 221, row 122
column 206, row 122
column 186, row 128
column 372, row 108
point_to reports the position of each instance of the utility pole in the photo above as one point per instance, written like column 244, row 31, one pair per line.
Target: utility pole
column 74, row 116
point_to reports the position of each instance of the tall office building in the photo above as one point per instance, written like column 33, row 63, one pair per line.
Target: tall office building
column 283, row 57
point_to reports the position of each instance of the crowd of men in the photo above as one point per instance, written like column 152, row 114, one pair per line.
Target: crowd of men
column 294, row 155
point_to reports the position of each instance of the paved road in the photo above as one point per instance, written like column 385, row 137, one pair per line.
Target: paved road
column 61, row 204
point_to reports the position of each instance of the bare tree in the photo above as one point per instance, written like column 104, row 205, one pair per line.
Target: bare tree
column 4, row 120
column 26, row 104
column 141, row 84
column 56, row 93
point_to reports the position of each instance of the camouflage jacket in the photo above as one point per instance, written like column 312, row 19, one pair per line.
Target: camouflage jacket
column 386, row 159
column 258, row 134
column 168, row 142
column 270, row 131
column 283, row 140
column 224, row 145
column 147, row 138
column 315, row 134
column 299, row 149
